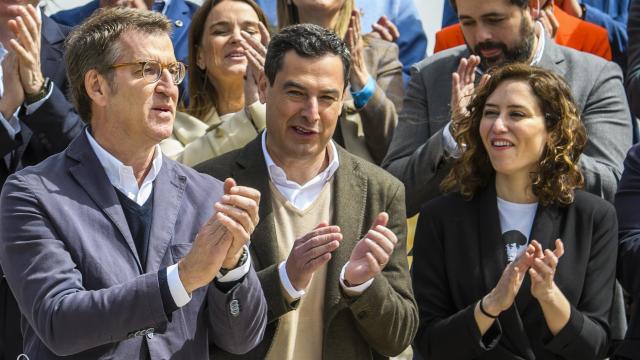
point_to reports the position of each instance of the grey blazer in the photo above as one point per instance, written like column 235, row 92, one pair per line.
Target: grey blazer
column 71, row 263
column 416, row 154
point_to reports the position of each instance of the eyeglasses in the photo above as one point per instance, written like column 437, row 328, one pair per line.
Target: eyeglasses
column 152, row 70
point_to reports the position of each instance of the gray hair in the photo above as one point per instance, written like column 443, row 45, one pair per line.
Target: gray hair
column 94, row 45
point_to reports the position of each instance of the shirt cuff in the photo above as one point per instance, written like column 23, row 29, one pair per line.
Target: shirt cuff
column 362, row 96
column 12, row 125
column 450, row 144
column 353, row 290
column 237, row 273
column 286, row 283
column 31, row 108
column 178, row 292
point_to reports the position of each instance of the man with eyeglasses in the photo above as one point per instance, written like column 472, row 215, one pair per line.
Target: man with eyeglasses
column 113, row 251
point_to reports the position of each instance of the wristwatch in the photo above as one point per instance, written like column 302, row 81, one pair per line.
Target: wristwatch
column 243, row 259
column 34, row 98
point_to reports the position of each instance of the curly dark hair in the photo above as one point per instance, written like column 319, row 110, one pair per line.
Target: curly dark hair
column 557, row 174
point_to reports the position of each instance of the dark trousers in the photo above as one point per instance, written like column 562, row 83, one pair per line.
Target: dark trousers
column 10, row 334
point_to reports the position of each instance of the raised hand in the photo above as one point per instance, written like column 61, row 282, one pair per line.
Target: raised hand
column 13, row 95
column 549, row 21
column 353, row 39
column 386, row 29
column 542, row 271
column 503, row 295
column 255, row 50
column 372, row 253
column 310, row 252
column 238, row 213
column 27, row 27
column 463, row 87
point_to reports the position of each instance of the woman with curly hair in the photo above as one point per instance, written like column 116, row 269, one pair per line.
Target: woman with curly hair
column 515, row 262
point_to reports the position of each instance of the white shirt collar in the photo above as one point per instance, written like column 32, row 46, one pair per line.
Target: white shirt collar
column 303, row 195
column 121, row 176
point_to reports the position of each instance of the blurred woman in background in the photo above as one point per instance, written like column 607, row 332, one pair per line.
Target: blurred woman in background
column 223, row 112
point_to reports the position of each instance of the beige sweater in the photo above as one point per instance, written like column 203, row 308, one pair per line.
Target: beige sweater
column 299, row 332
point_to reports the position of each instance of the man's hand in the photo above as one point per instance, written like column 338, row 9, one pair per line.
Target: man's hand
column 310, row 252
column 549, row 21
column 204, row 260
column 27, row 27
column 572, row 7
column 463, row 87
column 385, row 29
column 371, row 254
column 13, row 95
column 238, row 213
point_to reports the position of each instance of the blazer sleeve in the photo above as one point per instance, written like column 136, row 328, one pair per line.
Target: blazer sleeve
column 445, row 331
column 627, row 205
column 633, row 65
column 389, row 300
column 49, row 290
column 380, row 114
column 239, row 333
column 586, row 335
column 55, row 122
column 608, row 125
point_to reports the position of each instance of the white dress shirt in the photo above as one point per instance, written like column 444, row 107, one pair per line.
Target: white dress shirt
column 122, row 178
column 301, row 196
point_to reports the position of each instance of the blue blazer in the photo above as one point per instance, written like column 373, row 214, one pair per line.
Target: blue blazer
column 179, row 12
column 70, row 259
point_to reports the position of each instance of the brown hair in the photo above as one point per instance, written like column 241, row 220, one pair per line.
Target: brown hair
column 288, row 15
column 557, row 175
column 94, row 45
column 202, row 93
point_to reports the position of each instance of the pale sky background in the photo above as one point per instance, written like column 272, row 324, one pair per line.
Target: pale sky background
column 430, row 12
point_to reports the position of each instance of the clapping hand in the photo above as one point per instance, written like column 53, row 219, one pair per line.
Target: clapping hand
column 372, row 253
column 255, row 50
column 13, row 95
column 353, row 39
column 385, row 29
column 542, row 271
column 27, row 27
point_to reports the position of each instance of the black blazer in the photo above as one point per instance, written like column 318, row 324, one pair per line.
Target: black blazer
column 628, row 208
column 51, row 128
column 459, row 256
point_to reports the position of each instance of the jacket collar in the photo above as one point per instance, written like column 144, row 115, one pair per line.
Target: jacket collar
column 170, row 185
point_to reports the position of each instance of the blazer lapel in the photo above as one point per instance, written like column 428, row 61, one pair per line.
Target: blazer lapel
column 168, row 191
column 90, row 174
column 349, row 197
column 251, row 170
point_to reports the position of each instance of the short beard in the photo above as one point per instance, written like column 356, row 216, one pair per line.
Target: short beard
column 520, row 53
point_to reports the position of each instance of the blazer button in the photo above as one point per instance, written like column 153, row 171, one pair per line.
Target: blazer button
column 179, row 23
column 234, row 307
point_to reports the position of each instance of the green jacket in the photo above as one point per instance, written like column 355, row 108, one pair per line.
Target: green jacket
column 383, row 320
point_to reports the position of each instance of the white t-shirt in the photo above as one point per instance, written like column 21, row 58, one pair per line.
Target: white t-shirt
column 516, row 221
